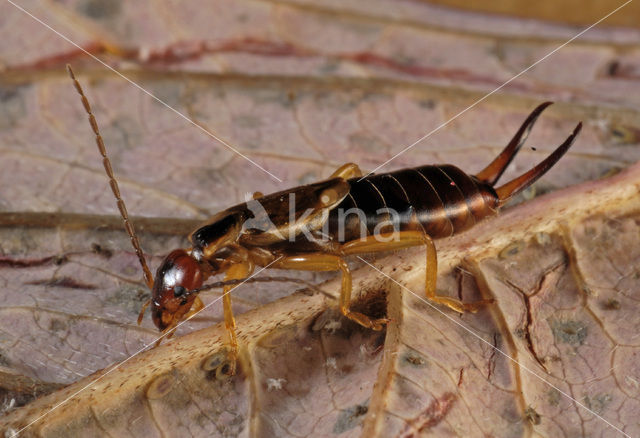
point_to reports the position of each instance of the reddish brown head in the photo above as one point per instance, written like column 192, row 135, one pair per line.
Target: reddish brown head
column 171, row 299
column 172, row 290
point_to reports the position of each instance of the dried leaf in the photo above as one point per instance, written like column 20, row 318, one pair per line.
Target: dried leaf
column 305, row 368
column 300, row 90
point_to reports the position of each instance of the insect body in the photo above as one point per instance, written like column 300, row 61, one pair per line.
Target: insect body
column 314, row 227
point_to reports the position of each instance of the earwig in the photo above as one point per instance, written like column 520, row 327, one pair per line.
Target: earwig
column 315, row 226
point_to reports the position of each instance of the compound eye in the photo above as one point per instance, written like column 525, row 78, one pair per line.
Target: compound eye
column 178, row 291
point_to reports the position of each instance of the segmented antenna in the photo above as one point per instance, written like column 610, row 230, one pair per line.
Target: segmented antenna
column 148, row 277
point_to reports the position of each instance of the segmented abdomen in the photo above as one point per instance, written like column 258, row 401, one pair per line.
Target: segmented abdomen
column 442, row 199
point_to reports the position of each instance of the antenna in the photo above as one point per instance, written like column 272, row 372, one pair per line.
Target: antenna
column 148, row 277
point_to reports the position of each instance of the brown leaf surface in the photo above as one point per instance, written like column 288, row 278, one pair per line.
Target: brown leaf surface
column 301, row 89
column 563, row 311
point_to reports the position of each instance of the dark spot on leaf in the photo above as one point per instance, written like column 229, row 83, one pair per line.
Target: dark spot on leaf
column 569, row 332
column 214, row 361
column 532, row 416
column 590, row 231
column 123, row 131
column 611, row 304
column 160, row 387
column 511, row 250
column 7, row 94
column 414, row 359
column 99, row 9
column 129, row 298
column 597, row 403
column 403, row 60
column 57, row 325
column 610, row 171
column 225, row 369
column 101, row 250
column 624, row 135
column 12, row 107
column 202, row 420
column 4, row 361
column 247, row 121
column 350, row 418
column 60, row 260
column 328, row 67
column 554, row 397
column 217, row 366
column 427, row 103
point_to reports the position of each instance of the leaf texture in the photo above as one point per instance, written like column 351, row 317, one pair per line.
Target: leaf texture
column 300, row 88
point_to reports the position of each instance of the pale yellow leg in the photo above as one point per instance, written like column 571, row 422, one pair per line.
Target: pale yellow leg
column 235, row 272
column 330, row 262
column 404, row 239
column 346, row 171
column 144, row 308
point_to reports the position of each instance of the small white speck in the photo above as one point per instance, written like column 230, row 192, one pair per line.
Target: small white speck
column 275, row 384
column 144, row 53
column 333, row 325
column 632, row 382
column 332, row 363
column 8, row 405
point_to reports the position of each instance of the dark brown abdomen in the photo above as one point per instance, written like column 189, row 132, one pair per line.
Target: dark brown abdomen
column 442, row 199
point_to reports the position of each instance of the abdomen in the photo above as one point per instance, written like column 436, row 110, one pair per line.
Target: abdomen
column 442, row 200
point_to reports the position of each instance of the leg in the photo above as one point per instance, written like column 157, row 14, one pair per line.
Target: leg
column 330, row 262
column 404, row 239
column 235, row 272
column 144, row 308
column 346, row 171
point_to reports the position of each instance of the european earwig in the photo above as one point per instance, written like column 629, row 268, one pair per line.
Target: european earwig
column 315, row 226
